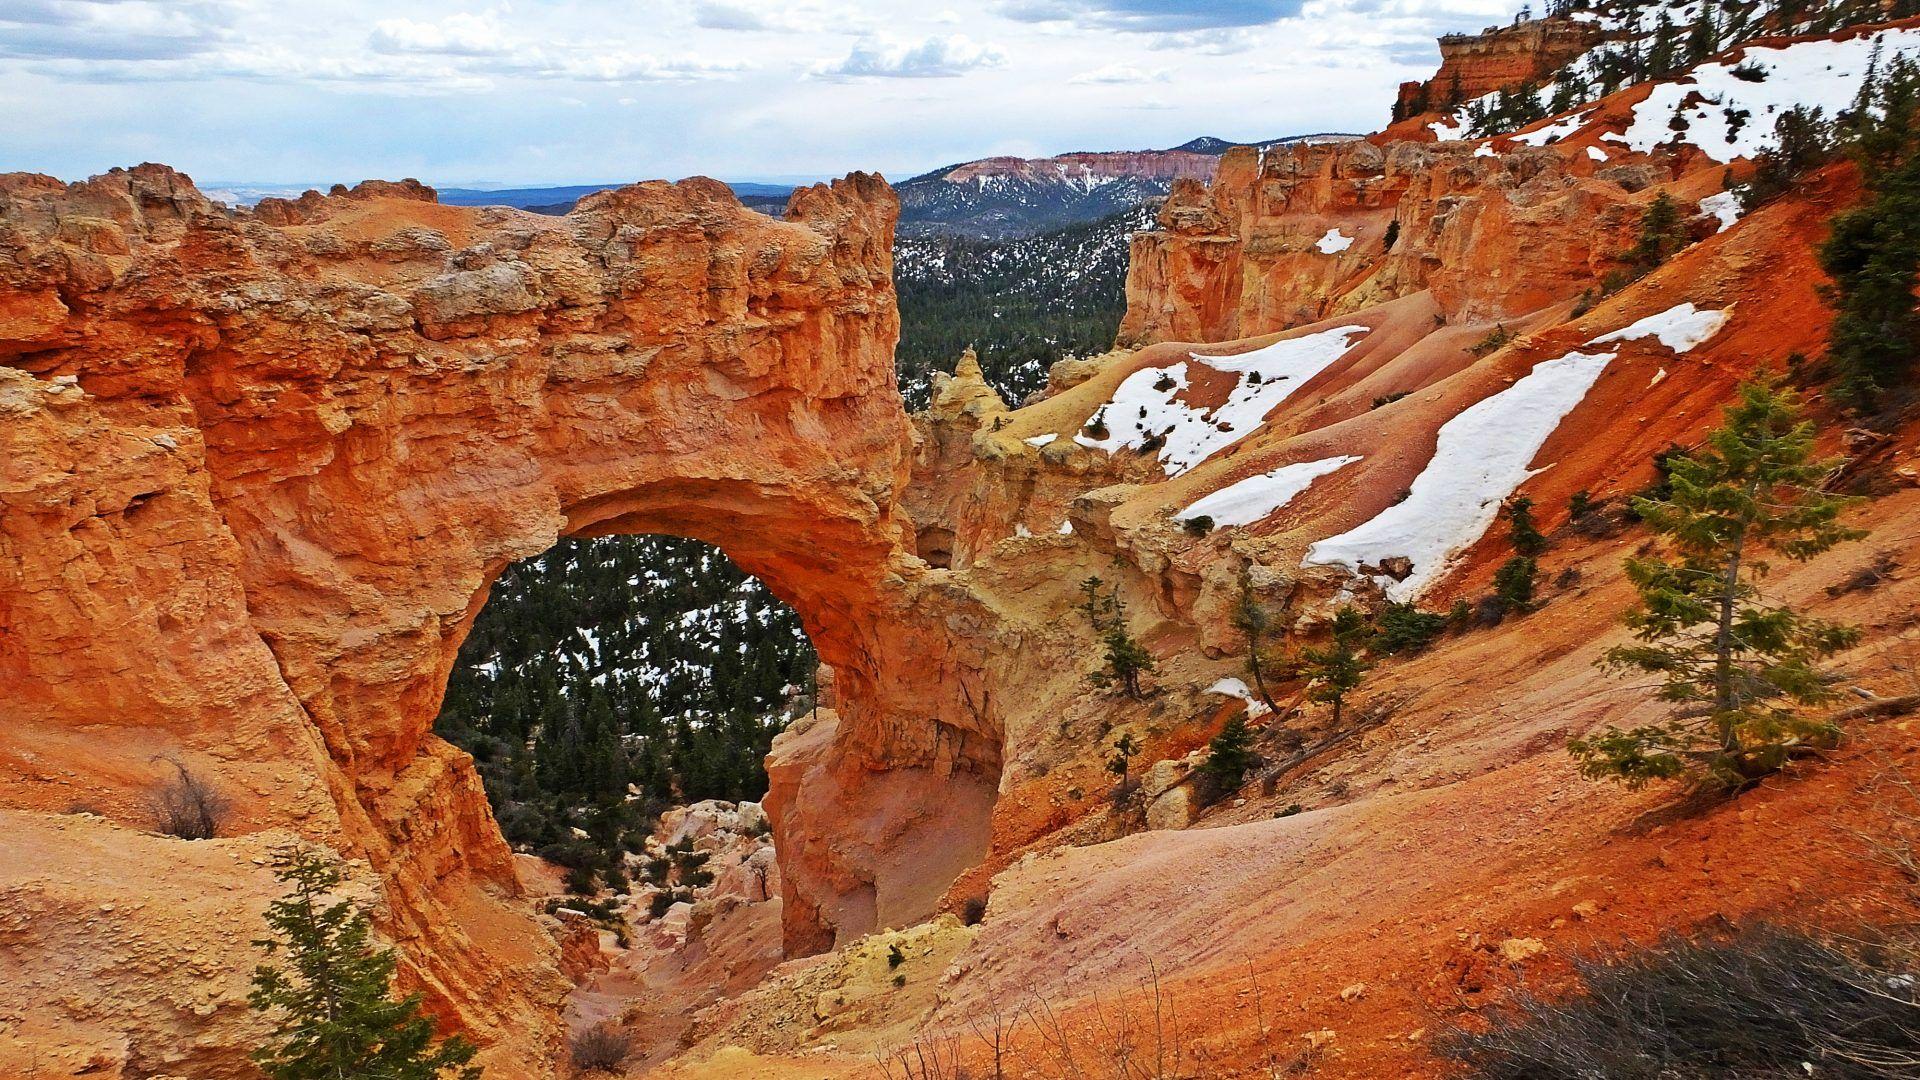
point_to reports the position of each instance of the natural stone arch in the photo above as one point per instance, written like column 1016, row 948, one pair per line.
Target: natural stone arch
column 263, row 468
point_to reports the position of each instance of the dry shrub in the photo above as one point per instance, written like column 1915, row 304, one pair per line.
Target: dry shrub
column 603, row 1047
column 187, row 806
column 1767, row 1003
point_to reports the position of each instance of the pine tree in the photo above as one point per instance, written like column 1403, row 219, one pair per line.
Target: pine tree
column 1521, row 530
column 1124, row 748
column 335, row 1017
column 1662, row 233
column 1229, row 756
column 1127, row 660
column 1664, row 55
column 1251, row 618
column 1702, row 37
column 1513, row 582
column 1336, row 669
column 1351, row 628
column 1873, row 250
column 1733, row 666
column 1100, row 607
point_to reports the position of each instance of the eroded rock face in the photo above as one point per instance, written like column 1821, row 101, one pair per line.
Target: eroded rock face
column 1301, row 233
column 1498, row 58
column 257, row 471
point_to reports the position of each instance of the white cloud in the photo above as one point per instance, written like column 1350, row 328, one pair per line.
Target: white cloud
column 1121, row 74
column 1223, row 41
column 933, row 57
column 456, row 35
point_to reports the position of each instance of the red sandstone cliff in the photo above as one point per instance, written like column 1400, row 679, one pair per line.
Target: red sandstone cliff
column 1497, row 58
column 1300, row 233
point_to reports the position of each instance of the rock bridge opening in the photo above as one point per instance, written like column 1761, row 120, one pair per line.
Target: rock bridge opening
column 607, row 680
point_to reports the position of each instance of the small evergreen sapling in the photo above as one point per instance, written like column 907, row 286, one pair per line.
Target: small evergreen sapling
column 1734, row 667
column 334, row 1014
column 1521, row 530
column 1121, row 763
column 1127, row 660
column 1513, row 582
column 1336, row 669
column 1229, row 756
column 1252, row 618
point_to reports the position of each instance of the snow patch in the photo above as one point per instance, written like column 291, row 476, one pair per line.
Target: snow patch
column 1238, row 688
column 1681, row 328
column 1480, row 458
column 1485, row 150
column 1597, row 154
column 1553, row 132
column 1334, row 242
column 1711, row 99
column 1146, row 404
column 1725, row 207
column 1040, row 440
column 1244, row 502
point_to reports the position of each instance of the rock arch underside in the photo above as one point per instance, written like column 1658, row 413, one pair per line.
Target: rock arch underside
column 259, row 469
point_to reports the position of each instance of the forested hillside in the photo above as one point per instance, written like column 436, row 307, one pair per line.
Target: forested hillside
column 648, row 661
column 1022, row 303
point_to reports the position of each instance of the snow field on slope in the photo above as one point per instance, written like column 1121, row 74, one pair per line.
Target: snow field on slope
column 1815, row 74
column 1555, row 131
column 1724, row 207
column 1480, row 458
column 1146, row 403
column 1681, row 328
column 1244, row 502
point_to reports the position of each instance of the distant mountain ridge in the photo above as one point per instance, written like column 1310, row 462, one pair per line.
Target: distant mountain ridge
column 1011, row 197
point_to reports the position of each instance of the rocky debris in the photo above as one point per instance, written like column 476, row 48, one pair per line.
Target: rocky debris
column 871, row 994
column 698, row 858
column 581, row 953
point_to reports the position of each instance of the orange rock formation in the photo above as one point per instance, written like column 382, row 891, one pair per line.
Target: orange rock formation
column 258, row 470
column 1497, row 58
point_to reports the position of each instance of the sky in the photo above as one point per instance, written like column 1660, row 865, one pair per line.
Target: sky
column 536, row 92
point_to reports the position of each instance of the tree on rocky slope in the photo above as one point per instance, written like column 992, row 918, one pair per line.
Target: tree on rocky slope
column 1735, row 668
column 1252, row 618
column 1335, row 669
column 1229, row 756
column 335, row 1015
column 1127, row 660
column 1873, row 251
